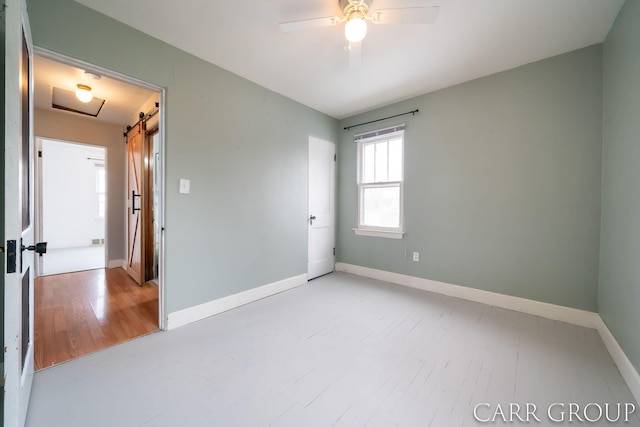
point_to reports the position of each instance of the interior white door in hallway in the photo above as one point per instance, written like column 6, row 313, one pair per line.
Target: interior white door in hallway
column 321, row 219
column 17, row 216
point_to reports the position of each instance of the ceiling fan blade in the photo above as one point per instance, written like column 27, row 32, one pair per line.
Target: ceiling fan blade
column 355, row 54
column 407, row 15
column 308, row 24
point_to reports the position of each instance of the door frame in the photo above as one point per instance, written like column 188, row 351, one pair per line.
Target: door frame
column 39, row 192
column 162, row 322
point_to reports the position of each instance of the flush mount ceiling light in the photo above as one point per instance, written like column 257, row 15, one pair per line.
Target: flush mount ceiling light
column 83, row 92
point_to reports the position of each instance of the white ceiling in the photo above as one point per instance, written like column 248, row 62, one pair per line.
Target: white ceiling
column 470, row 39
column 122, row 100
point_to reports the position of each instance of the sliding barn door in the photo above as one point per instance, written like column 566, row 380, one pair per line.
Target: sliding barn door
column 135, row 176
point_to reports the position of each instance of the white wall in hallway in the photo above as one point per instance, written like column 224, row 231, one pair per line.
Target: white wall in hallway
column 70, row 201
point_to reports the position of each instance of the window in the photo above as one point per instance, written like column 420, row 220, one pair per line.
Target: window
column 380, row 176
column 101, row 189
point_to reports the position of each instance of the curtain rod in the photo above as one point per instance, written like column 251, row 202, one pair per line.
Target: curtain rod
column 413, row 112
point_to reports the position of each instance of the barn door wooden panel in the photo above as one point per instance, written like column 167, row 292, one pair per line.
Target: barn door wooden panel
column 135, row 206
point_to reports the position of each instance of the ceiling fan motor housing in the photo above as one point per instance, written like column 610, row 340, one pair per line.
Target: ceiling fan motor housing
column 354, row 8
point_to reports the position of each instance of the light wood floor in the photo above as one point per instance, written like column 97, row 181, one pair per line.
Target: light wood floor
column 79, row 313
column 340, row 351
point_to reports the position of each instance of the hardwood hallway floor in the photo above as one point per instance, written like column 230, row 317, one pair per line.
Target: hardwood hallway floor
column 83, row 312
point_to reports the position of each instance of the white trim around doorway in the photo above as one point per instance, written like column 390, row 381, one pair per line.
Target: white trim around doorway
column 162, row 318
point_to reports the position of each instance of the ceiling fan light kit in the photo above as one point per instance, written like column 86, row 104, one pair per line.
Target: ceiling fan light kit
column 355, row 30
column 356, row 13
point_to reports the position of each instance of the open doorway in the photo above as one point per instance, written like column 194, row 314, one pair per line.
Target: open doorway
column 84, row 305
column 71, row 205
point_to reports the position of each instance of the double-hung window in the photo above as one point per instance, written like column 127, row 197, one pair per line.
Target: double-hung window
column 380, row 180
column 101, row 190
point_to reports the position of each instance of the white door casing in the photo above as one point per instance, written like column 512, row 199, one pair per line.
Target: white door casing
column 321, row 214
column 18, row 212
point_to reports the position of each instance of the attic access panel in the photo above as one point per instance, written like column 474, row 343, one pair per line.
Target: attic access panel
column 66, row 100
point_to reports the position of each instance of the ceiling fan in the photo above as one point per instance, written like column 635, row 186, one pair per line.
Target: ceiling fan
column 356, row 14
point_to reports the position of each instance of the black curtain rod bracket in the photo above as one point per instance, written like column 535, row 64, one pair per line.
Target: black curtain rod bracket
column 413, row 113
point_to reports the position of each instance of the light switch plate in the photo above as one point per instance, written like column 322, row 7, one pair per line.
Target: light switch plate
column 184, row 186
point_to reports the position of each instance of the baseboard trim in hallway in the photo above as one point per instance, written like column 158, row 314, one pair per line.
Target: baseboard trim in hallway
column 560, row 313
column 211, row 308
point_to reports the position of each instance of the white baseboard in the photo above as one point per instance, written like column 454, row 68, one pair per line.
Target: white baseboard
column 627, row 370
column 80, row 243
column 202, row 311
column 570, row 315
column 113, row 263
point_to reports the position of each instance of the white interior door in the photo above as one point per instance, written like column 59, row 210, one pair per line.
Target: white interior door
column 18, row 214
column 321, row 219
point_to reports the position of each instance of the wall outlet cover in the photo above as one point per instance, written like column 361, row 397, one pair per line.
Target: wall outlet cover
column 185, row 185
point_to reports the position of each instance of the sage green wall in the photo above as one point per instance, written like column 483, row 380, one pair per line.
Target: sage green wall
column 502, row 183
column 243, row 147
column 619, row 290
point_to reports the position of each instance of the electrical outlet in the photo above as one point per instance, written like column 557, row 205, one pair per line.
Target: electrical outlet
column 416, row 256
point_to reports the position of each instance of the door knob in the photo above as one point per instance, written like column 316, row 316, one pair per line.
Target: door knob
column 39, row 248
column 311, row 218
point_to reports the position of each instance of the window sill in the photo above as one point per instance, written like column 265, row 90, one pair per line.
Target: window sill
column 379, row 233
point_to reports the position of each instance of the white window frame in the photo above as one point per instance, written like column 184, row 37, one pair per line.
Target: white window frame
column 361, row 141
column 101, row 167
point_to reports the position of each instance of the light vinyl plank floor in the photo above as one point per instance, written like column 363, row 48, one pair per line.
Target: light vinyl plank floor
column 340, row 351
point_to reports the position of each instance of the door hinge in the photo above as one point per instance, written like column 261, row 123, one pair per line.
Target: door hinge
column 39, row 153
column 335, row 156
column 334, row 251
